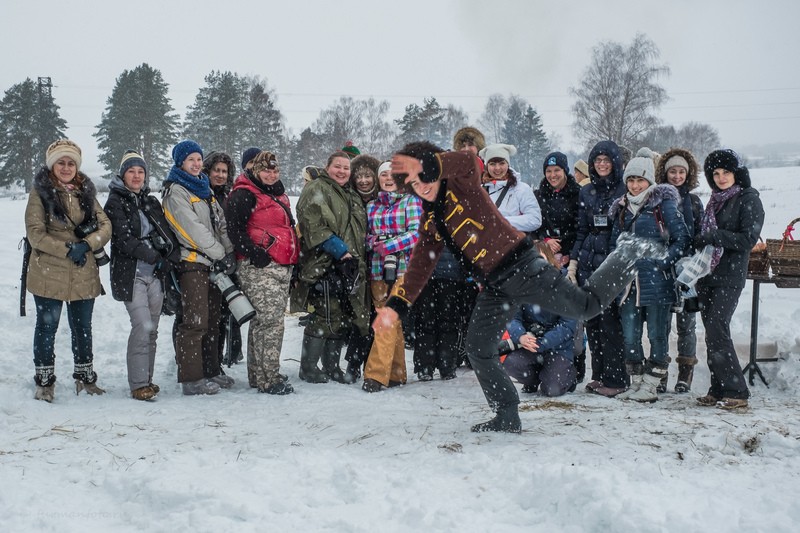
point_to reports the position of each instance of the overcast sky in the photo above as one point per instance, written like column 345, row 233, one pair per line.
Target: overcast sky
column 734, row 63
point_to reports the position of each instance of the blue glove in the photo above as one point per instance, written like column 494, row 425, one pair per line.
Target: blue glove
column 77, row 252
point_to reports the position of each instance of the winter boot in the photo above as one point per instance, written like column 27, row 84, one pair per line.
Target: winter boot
column 86, row 379
column 279, row 388
column 309, row 356
column 636, row 372
column 224, row 381
column 330, row 361
column 685, row 373
column 506, row 420
column 201, row 386
column 143, row 393
column 370, row 385
column 580, row 366
column 45, row 385
column 353, row 372
column 647, row 392
column 662, row 387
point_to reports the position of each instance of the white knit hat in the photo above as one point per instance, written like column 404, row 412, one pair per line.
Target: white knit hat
column 498, row 151
column 63, row 148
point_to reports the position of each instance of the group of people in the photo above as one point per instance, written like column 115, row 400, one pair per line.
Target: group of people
column 446, row 250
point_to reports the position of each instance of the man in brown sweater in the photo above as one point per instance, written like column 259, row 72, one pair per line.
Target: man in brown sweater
column 459, row 214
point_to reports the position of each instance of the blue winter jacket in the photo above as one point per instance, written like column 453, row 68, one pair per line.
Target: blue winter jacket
column 655, row 280
column 592, row 243
column 559, row 331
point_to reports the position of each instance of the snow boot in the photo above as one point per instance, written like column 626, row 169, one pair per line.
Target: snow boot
column 636, row 372
column 224, row 382
column 45, row 384
column 662, row 387
column 309, row 356
column 279, row 388
column 648, row 392
column 201, row 386
column 86, row 379
column 353, row 372
column 580, row 366
column 685, row 373
column 330, row 361
column 370, row 385
column 506, row 420
column 143, row 393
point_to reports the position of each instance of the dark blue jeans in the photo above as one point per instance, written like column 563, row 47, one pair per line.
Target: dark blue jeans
column 48, row 315
column 658, row 319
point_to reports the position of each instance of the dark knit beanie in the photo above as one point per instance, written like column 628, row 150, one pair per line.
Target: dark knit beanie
column 131, row 159
column 351, row 150
column 248, row 155
column 556, row 159
column 182, row 150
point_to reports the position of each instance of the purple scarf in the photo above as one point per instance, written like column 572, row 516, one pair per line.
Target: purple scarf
column 709, row 220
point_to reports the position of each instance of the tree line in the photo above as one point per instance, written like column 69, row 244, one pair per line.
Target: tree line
column 618, row 97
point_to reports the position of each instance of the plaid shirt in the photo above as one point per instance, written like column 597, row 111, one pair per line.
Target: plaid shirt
column 392, row 220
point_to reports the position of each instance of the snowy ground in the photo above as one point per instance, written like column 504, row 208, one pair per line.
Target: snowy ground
column 332, row 458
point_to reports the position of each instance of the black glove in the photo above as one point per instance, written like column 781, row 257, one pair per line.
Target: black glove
column 227, row 264
column 260, row 259
column 702, row 240
column 348, row 271
column 77, row 252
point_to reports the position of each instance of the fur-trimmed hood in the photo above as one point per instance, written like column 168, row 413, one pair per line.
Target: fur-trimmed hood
column 87, row 193
column 469, row 133
column 659, row 193
column 691, row 176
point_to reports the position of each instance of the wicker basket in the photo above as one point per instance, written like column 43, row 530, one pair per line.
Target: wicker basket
column 784, row 254
column 758, row 265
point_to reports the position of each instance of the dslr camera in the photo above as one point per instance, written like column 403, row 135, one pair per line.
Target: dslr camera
column 85, row 228
column 160, row 243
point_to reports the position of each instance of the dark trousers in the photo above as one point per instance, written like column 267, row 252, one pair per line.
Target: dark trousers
column 606, row 344
column 727, row 379
column 553, row 374
column 439, row 325
column 197, row 327
column 48, row 316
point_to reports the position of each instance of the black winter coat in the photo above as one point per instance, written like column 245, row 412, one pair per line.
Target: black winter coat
column 739, row 224
column 559, row 213
column 593, row 240
column 127, row 247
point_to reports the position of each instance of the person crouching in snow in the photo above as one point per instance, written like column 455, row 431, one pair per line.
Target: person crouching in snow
column 457, row 213
column 545, row 351
column 649, row 211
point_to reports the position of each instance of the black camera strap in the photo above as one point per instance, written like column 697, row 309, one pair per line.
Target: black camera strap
column 25, row 245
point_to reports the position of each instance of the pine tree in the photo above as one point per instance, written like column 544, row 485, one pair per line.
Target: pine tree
column 219, row 114
column 29, row 121
column 262, row 124
column 523, row 129
column 138, row 116
column 425, row 123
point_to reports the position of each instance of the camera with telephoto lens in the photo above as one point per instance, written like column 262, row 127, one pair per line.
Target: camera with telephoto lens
column 85, row 228
column 161, row 244
column 390, row 268
column 240, row 307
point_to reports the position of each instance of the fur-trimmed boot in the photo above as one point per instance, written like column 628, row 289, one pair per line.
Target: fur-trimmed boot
column 330, row 361
column 636, row 373
column 45, row 384
column 648, row 390
column 685, row 373
column 311, row 353
column 86, row 379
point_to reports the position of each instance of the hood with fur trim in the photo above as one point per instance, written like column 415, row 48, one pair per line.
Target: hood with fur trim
column 47, row 191
column 691, row 176
column 469, row 133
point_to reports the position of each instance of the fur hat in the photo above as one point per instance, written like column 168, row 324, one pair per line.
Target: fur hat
column 263, row 161
column 582, row 167
column 351, row 150
column 219, row 157
column 642, row 167
column 471, row 135
column 556, row 159
column 729, row 160
column 182, row 150
column 131, row 159
column 498, row 151
column 248, row 155
column 63, row 148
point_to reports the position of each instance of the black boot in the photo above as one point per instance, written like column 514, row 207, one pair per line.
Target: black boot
column 580, row 367
column 506, row 420
column 330, row 361
column 313, row 348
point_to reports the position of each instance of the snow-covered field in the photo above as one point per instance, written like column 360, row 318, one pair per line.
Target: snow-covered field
column 333, row 458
